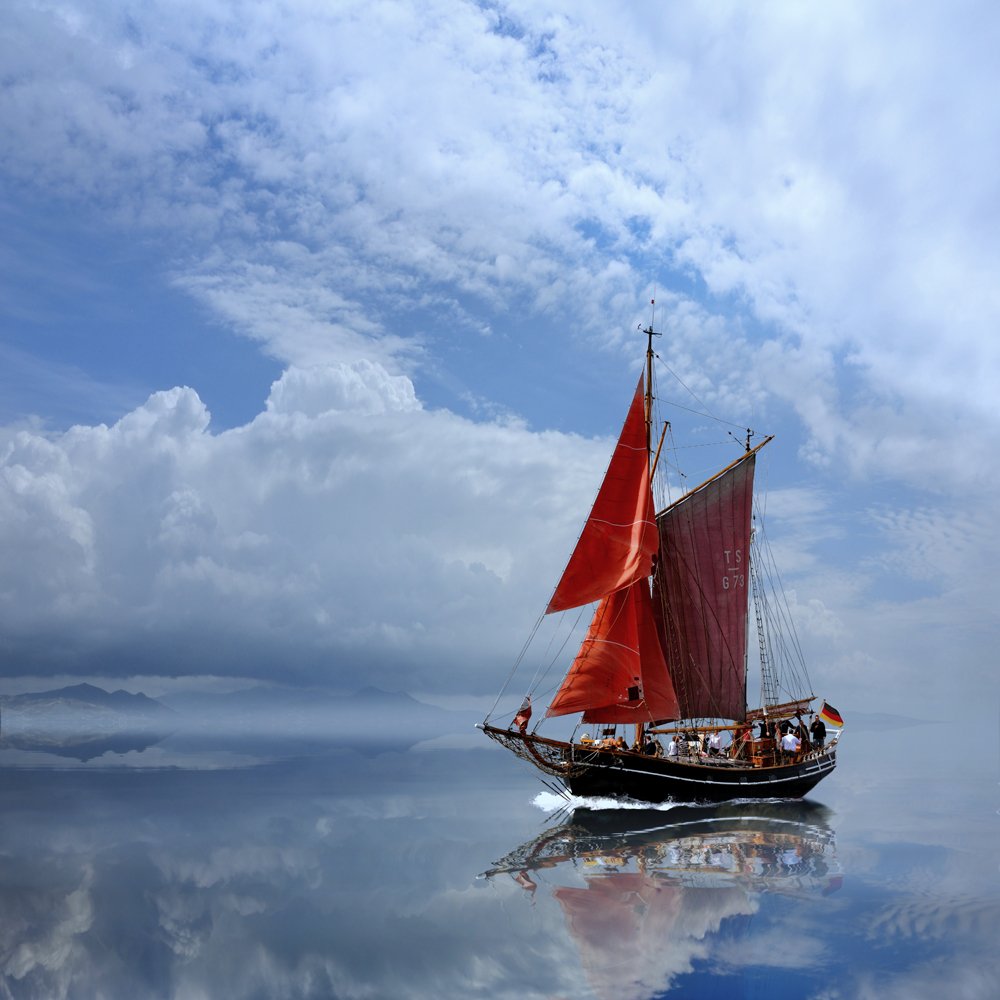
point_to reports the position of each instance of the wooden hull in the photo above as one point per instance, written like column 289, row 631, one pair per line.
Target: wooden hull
column 589, row 772
column 654, row 779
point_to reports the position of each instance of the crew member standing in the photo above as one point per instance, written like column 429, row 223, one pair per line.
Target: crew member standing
column 818, row 730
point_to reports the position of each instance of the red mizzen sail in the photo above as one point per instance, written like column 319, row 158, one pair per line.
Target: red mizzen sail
column 620, row 674
column 701, row 588
column 619, row 539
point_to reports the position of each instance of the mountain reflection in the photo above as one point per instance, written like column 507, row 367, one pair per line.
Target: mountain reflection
column 642, row 892
column 81, row 746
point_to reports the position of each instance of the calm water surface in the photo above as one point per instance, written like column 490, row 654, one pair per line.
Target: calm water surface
column 442, row 871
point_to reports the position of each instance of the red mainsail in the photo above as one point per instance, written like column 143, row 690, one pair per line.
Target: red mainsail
column 618, row 541
column 619, row 674
column 701, row 588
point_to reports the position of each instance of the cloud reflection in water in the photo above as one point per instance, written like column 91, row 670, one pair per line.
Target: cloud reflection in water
column 351, row 872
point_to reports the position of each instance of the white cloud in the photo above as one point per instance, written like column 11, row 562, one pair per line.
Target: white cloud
column 365, row 389
column 345, row 522
column 340, row 164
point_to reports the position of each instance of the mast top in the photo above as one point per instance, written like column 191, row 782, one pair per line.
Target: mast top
column 650, row 334
column 649, row 331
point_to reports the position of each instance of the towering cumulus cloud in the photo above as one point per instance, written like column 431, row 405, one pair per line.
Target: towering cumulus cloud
column 302, row 541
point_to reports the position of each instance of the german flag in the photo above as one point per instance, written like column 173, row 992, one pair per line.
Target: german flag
column 829, row 714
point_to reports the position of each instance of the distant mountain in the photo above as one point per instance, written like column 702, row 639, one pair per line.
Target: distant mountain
column 85, row 700
column 83, row 721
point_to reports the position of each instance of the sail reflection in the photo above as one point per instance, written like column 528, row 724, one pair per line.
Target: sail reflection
column 643, row 892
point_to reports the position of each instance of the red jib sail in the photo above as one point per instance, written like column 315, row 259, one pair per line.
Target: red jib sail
column 619, row 674
column 619, row 539
column 701, row 588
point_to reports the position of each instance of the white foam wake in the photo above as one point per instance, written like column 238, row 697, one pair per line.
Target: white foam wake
column 550, row 802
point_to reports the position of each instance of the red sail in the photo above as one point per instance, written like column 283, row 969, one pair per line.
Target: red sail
column 620, row 674
column 623, row 925
column 638, row 931
column 619, row 539
column 701, row 587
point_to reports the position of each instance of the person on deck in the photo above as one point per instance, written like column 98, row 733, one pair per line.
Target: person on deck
column 674, row 746
column 818, row 730
column 789, row 744
column 802, row 733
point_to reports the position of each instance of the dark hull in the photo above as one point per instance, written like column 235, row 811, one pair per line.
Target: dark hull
column 623, row 774
column 655, row 779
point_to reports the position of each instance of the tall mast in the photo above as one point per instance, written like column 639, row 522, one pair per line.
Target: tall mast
column 640, row 729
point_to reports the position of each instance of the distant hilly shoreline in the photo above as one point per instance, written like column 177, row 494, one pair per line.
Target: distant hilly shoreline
column 84, row 721
column 91, row 704
column 84, row 697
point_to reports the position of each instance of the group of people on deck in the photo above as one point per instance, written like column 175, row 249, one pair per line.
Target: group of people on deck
column 649, row 745
column 794, row 738
column 687, row 743
column 791, row 739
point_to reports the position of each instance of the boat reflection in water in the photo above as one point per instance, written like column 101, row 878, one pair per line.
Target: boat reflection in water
column 644, row 892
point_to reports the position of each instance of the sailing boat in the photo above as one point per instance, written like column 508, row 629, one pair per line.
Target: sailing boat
column 666, row 651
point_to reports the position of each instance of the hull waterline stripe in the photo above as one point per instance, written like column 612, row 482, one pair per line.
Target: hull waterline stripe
column 709, row 781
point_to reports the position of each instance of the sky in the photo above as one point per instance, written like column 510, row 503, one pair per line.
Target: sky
column 318, row 320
